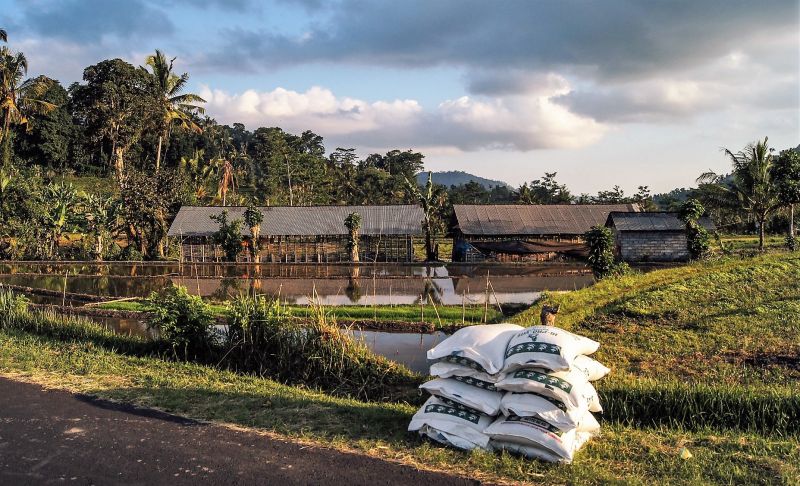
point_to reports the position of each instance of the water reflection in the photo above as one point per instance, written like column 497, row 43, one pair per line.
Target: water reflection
column 332, row 284
column 408, row 349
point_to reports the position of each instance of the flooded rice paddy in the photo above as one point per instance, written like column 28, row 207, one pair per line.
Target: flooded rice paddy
column 518, row 285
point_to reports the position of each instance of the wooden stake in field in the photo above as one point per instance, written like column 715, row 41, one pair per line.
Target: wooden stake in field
column 486, row 299
column 463, row 307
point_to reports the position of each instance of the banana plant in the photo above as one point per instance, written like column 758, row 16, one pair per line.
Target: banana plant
column 102, row 218
column 60, row 199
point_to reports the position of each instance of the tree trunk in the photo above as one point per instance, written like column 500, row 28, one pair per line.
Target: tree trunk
column 158, row 153
column 762, row 220
column 289, row 176
column 429, row 256
column 119, row 162
column 791, row 220
column 98, row 247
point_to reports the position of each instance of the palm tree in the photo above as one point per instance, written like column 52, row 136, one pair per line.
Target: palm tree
column 3, row 35
column 176, row 108
column 19, row 99
column 752, row 184
column 428, row 199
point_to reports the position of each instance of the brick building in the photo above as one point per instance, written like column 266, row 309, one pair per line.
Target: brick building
column 651, row 237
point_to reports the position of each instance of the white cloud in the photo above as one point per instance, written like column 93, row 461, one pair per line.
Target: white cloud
column 518, row 122
column 316, row 109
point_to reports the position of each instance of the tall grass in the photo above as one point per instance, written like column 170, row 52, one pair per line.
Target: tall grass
column 647, row 403
column 16, row 316
column 262, row 338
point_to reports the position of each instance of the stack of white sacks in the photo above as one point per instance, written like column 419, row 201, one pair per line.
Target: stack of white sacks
column 501, row 386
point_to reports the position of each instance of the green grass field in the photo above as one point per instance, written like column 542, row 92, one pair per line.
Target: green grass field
column 704, row 356
column 448, row 315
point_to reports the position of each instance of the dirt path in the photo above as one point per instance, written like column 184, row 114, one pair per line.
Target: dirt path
column 54, row 437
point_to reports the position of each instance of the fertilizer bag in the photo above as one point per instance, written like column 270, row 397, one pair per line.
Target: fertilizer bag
column 569, row 387
column 451, row 424
column 471, row 392
column 535, row 438
column 593, row 369
column 549, row 409
column 546, row 347
column 480, row 348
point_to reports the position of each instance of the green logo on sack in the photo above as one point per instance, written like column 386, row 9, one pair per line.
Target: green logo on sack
column 455, row 404
column 544, row 379
column 446, row 410
column 476, row 382
column 536, row 421
column 460, row 360
column 533, row 347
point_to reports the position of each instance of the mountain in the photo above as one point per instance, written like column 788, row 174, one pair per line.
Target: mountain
column 457, row 177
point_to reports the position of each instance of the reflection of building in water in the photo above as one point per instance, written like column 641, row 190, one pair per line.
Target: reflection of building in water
column 520, row 232
column 312, row 234
column 511, row 289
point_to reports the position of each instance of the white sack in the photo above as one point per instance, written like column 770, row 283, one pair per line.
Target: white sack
column 476, row 394
column 546, row 347
column 547, row 408
column 481, row 348
column 451, row 424
column 570, row 387
column 593, row 369
column 443, row 369
column 533, row 437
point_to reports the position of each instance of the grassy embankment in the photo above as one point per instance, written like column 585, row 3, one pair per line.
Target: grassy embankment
column 443, row 316
column 703, row 356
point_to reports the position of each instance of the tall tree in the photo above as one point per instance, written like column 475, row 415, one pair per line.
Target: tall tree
column 46, row 139
column 19, row 98
column 752, row 183
column 545, row 191
column 115, row 106
column 175, row 108
column 787, row 177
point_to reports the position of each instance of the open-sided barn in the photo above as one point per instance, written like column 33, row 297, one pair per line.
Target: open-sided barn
column 518, row 232
column 306, row 233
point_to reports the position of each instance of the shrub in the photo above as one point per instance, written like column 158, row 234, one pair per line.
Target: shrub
column 791, row 242
column 183, row 321
column 697, row 238
column 12, row 307
column 228, row 236
column 262, row 338
column 601, row 250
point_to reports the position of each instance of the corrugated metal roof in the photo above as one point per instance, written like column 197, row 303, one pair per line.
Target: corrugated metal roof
column 652, row 222
column 304, row 220
column 529, row 219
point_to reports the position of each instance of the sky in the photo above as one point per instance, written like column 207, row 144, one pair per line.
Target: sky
column 612, row 92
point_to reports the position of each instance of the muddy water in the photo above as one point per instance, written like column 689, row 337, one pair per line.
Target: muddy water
column 331, row 284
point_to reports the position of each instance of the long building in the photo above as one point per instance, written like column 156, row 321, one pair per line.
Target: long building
column 314, row 234
column 521, row 232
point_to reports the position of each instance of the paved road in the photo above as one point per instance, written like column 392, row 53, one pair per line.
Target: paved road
column 54, row 437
